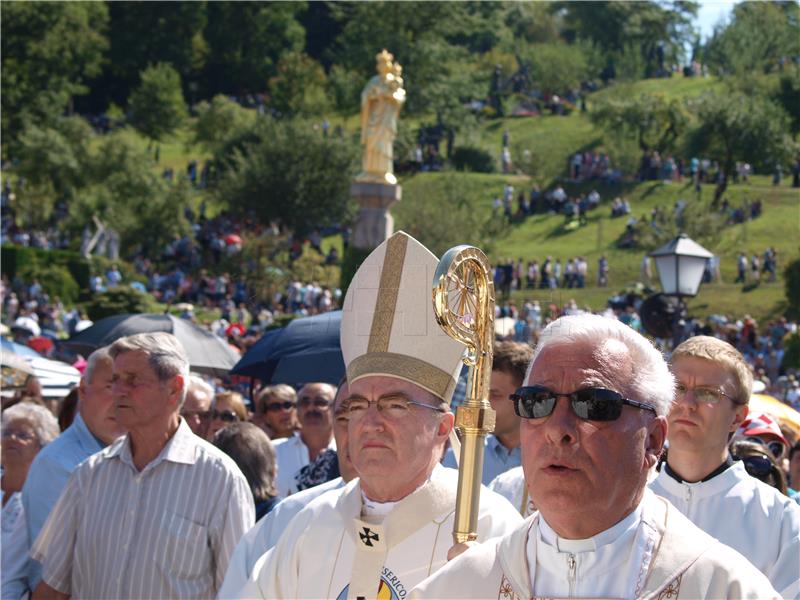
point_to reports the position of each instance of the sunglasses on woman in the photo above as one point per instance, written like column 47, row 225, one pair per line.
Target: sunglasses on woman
column 759, row 467
column 590, row 404
column 227, row 416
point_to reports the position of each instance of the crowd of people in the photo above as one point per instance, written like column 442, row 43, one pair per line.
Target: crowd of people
column 601, row 452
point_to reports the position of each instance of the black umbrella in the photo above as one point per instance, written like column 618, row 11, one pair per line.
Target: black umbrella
column 304, row 351
column 207, row 352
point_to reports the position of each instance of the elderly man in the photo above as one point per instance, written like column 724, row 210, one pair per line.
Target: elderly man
column 197, row 405
column 157, row 513
column 593, row 426
column 315, row 413
column 501, row 448
column 94, row 427
column 389, row 528
column 701, row 479
column 268, row 530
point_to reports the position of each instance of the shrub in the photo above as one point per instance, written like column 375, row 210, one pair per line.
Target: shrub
column 471, row 158
column 792, row 281
column 56, row 280
column 120, row 300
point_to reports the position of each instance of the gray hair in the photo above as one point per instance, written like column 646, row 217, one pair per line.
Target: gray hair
column 252, row 451
column 196, row 382
column 98, row 356
column 44, row 423
column 651, row 380
column 165, row 355
column 281, row 391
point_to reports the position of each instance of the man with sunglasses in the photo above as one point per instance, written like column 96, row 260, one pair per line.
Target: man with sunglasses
column 713, row 385
column 315, row 414
column 390, row 527
column 594, row 424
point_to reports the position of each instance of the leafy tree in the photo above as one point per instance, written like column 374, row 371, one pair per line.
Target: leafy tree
column 298, row 88
column 740, row 127
column 652, row 120
column 557, row 68
column 344, row 89
column 157, row 105
column 49, row 51
column 245, row 42
column 534, row 22
column 421, row 217
column 285, row 171
column 218, row 120
column 658, row 29
column 788, row 96
column 759, row 37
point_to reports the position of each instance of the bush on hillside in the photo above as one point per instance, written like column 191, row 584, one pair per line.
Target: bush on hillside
column 56, row 281
column 472, row 158
column 791, row 276
column 121, row 300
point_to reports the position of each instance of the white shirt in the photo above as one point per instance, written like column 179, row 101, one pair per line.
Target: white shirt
column 164, row 532
column 291, row 455
column 266, row 534
column 747, row 515
column 612, row 564
column 511, row 485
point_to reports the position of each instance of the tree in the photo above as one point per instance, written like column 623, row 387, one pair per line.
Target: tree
column 298, row 88
column 760, row 36
column 788, row 96
column 557, row 68
column 245, row 42
column 285, row 171
column 740, row 127
column 49, row 51
column 652, row 120
column 218, row 120
column 157, row 105
column 421, row 217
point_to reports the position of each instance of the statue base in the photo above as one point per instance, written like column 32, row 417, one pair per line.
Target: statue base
column 373, row 224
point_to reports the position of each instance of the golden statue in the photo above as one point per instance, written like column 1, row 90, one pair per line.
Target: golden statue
column 381, row 100
column 463, row 302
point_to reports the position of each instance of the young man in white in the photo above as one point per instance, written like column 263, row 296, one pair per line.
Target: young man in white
column 593, row 426
column 391, row 527
column 705, row 484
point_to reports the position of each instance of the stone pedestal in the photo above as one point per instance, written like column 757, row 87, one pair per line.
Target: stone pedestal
column 374, row 224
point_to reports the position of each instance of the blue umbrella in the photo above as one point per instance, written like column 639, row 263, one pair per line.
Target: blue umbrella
column 306, row 350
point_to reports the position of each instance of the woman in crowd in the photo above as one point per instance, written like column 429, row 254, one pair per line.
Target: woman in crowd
column 227, row 408
column 252, row 451
column 760, row 463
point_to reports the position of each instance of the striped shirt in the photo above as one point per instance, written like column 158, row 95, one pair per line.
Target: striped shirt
column 165, row 532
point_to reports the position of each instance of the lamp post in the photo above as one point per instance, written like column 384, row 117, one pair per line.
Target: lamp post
column 680, row 265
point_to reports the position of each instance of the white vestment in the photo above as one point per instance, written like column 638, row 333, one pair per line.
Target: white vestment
column 749, row 516
column 682, row 562
column 511, row 486
column 291, row 455
column 265, row 534
column 330, row 551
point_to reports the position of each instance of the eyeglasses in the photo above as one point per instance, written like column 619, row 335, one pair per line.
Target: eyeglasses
column 775, row 447
column 22, row 436
column 319, row 402
column 391, row 407
column 758, row 466
column 276, row 406
column 200, row 414
column 703, row 395
column 228, row 416
column 590, row 404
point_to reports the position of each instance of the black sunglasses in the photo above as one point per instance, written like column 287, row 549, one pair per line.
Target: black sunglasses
column 228, row 416
column 590, row 404
column 276, row 406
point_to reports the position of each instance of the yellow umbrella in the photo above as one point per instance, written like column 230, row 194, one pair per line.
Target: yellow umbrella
column 786, row 415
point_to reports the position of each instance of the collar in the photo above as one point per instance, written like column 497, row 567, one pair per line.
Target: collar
column 609, row 536
column 495, row 445
column 85, row 437
column 708, row 487
column 180, row 448
column 723, row 467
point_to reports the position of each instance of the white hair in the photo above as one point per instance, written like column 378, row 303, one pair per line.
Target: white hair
column 42, row 420
column 651, row 380
column 199, row 384
column 99, row 355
